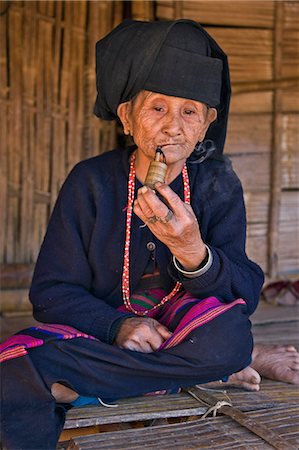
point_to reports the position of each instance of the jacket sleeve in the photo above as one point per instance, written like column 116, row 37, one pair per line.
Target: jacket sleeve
column 61, row 285
column 232, row 275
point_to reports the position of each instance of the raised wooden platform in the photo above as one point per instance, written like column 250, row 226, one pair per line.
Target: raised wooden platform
column 174, row 421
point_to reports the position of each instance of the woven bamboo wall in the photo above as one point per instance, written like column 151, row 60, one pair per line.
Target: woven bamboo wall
column 47, row 90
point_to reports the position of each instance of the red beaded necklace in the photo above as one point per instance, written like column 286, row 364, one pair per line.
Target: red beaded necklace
column 126, row 263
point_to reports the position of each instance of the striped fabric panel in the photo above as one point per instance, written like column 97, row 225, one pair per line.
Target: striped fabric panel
column 175, row 305
column 197, row 316
column 16, row 345
column 202, row 311
column 61, row 331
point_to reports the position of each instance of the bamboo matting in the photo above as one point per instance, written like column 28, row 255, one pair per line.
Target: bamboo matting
column 212, row 433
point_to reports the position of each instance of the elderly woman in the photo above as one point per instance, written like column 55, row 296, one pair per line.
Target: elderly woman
column 142, row 288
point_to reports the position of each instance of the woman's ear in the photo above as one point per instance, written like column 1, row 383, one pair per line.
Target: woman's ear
column 123, row 112
column 210, row 117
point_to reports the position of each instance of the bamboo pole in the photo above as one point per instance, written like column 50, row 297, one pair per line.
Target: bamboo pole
column 277, row 131
column 178, row 9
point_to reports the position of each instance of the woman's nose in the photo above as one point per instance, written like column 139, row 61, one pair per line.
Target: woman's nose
column 172, row 124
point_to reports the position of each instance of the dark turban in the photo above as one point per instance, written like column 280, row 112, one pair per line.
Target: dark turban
column 177, row 58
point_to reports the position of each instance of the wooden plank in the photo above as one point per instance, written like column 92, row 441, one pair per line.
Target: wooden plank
column 14, row 300
column 3, row 181
column 277, row 136
column 12, row 322
column 256, row 14
column 4, row 114
column 283, row 333
column 249, row 133
column 14, row 276
column 140, row 408
column 267, row 313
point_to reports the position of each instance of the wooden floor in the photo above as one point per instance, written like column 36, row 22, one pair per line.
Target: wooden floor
column 175, row 421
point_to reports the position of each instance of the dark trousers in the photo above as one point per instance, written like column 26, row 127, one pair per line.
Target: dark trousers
column 31, row 419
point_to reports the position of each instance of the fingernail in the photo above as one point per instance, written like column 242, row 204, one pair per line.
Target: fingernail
column 158, row 184
column 143, row 190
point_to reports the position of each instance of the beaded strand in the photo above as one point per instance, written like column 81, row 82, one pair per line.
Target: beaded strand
column 126, row 263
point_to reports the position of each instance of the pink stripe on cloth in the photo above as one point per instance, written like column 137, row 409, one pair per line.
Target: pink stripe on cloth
column 13, row 353
column 16, row 345
column 21, row 339
column 65, row 331
column 187, row 299
column 197, row 316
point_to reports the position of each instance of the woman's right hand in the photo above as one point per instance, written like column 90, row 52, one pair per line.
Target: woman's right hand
column 141, row 334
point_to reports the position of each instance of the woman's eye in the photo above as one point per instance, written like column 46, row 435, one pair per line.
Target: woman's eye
column 189, row 112
column 158, row 108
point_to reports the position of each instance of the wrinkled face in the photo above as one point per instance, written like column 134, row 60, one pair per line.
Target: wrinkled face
column 156, row 120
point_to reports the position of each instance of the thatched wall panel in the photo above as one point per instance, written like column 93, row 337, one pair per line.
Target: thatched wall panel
column 253, row 13
column 253, row 170
column 252, row 103
column 256, row 244
column 250, row 52
column 291, row 14
column 290, row 54
column 288, row 233
column 257, row 206
column 290, row 153
column 49, row 56
column 249, row 133
column 290, row 100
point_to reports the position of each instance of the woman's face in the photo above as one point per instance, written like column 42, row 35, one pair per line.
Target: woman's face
column 173, row 123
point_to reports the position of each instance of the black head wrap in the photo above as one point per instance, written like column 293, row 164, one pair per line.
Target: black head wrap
column 177, row 58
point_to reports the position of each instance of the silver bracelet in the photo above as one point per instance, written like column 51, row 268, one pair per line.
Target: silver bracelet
column 198, row 272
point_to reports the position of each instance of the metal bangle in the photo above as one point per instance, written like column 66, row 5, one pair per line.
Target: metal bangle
column 198, row 272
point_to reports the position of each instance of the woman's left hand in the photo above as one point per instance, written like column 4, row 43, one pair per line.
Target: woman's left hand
column 174, row 225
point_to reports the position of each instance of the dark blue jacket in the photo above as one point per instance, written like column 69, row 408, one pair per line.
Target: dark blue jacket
column 77, row 279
